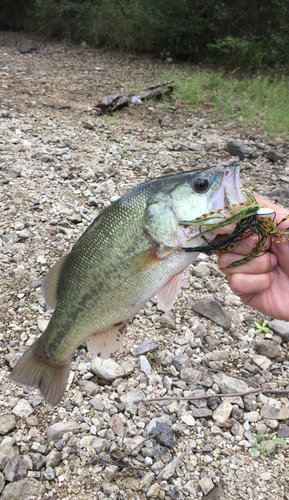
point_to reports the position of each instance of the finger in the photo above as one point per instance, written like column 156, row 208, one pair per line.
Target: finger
column 258, row 265
column 245, row 284
column 276, row 208
column 245, row 246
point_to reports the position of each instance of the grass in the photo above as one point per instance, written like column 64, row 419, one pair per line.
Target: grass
column 256, row 101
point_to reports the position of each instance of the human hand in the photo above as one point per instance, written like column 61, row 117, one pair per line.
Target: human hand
column 262, row 282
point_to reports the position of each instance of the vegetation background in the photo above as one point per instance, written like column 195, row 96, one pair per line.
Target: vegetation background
column 251, row 34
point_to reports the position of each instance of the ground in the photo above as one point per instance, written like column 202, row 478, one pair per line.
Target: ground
column 60, row 164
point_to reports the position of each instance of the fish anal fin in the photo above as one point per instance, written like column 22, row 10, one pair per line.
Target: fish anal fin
column 50, row 283
column 105, row 343
column 50, row 378
column 168, row 293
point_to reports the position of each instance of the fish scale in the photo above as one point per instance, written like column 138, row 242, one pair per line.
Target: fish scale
column 131, row 251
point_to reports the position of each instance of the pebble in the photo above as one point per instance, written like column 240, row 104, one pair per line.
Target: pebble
column 188, row 419
column 16, row 469
column 265, row 476
column 229, row 384
column 206, row 485
column 167, row 320
column 23, row 409
column 281, row 328
column 7, row 423
column 163, row 434
column 223, row 411
column 145, row 365
column 56, row 431
column 24, row 488
column 108, row 369
column 272, row 413
column 149, row 345
column 211, row 309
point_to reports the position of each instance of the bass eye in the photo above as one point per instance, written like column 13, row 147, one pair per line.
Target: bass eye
column 201, row 185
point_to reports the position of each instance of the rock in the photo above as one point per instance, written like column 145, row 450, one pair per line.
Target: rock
column 133, row 445
column 108, row 369
column 53, row 458
column 236, row 148
column 153, row 491
column 206, row 485
column 98, row 444
column 268, row 348
column 281, row 328
column 218, row 355
column 7, row 423
column 261, row 361
column 283, row 431
column 88, row 387
column 96, row 403
column 228, row 384
column 27, row 46
column 42, row 324
column 211, row 309
column 56, row 431
column 147, row 480
column 117, row 425
column 217, row 493
column 130, row 483
column 168, row 320
column 252, row 416
column 7, row 451
column 201, row 271
column 250, row 402
column 170, row 468
column 49, row 474
column 223, row 411
column 16, row 469
column 149, row 345
column 202, row 413
column 2, row 482
column 25, row 488
column 190, row 375
column 188, row 419
column 270, row 446
column 266, row 476
column 164, row 435
column 272, row 413
column 181, row 361
column 145, row 365
column 23, row 409
column 274, row 155
column 129, row 398
column 38, row 460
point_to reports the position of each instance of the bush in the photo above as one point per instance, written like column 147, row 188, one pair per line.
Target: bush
column 251, row 33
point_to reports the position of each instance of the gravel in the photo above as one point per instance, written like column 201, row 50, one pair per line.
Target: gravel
column 59, row 167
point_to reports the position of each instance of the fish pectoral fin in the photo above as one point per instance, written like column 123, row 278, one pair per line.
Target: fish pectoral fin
column 105, row 343
column 50, row 283
column 35, row 371
column 168, row 293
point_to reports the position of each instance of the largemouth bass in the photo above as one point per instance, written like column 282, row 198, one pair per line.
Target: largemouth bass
column 132, row 251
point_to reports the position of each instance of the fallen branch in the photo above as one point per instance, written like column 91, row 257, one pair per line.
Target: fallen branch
column 215, row 395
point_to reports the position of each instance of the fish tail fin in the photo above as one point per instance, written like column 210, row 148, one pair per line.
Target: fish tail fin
column 33, row 370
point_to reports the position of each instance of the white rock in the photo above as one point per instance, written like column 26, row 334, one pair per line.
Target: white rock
column 107, row 369
column 23, row 409
column 188, row 419
column 206, row 485
column 145, row 365
column 42, row 324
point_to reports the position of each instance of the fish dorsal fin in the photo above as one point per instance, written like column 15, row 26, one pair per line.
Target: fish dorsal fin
column 168, row 293
column 50, row 283
column 105, row 343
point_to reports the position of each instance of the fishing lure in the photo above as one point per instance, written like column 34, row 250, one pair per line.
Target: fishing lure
column 249, row 218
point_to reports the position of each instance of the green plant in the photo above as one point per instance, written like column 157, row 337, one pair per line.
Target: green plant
column 264, row 437
column 263, row 327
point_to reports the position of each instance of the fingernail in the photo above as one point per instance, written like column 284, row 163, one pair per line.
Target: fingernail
column 273, row 259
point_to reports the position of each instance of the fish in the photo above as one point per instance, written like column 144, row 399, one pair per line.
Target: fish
column 133, row 250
